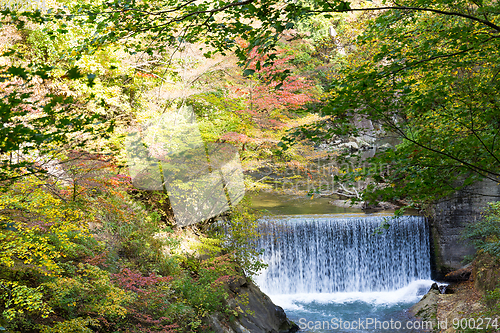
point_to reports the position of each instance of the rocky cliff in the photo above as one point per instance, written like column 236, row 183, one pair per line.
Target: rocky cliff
column 256, row 312
column 451, row 215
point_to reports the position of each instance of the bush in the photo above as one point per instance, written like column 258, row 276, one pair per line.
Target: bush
column 77, row 325
column 88, row 291
column 58, row 276
column 485, row 234
column 205, row 289
column 239, row 238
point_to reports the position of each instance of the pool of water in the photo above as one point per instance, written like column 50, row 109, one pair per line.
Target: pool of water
column 355, row 312
column 274, row 203
column 281, row 204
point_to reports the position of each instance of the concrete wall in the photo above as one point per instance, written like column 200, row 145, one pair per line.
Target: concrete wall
column 450, row 218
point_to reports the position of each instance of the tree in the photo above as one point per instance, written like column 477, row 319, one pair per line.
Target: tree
column 38, row 120
column 39, row 124
column 36, row 231
column 427, row 73
column 422, row 54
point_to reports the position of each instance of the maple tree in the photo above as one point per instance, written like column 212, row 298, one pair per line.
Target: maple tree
column 277, row 87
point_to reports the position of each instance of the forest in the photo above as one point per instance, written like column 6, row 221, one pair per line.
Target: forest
column 98, row 232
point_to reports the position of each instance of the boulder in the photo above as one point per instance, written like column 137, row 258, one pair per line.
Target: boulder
column 385, row 146
column 363, row 144
column 256, row 312
column 353, row 146
column 347, row 204
column 426, row 308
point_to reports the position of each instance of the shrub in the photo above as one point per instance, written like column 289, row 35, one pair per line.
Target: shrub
column 239, row 236
column 485, row 233
column 76, row 325
column 88, row 291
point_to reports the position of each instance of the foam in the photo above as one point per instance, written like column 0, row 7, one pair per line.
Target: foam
column 411, row 293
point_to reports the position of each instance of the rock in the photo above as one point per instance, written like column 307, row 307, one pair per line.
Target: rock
column 462, row 274
column 383, row 205
column 363, row 145
column 353, row 146
column 446, row 289
column 465, row 302
column 347, row 204
column 426, row 308
column 443, row 288
column 236, row 284
column 385, row 146
column 451, row 216
column 258, row 314
column 362, row 205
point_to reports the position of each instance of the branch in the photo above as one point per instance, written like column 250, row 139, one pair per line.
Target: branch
column 212, row 11
column 439, row 57
column 437, row 11
column 468, row 192
column 491, row 152
column 480, row 171
column 124, row 10
column 345, row 192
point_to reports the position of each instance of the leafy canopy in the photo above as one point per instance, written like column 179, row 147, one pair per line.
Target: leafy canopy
column 426, row 74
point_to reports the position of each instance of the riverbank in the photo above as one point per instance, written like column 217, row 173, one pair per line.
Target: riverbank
column 468, row 303
column 459, row 308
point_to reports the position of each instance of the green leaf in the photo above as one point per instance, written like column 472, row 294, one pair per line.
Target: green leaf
column 248, row 72
column 90, row 80
column 74, row 73
column 18, row 71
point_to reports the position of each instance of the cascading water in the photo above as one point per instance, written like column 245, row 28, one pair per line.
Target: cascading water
column 325, row 255
column 325, row 265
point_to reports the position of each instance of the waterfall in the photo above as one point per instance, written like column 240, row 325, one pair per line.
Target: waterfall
column 330, row 255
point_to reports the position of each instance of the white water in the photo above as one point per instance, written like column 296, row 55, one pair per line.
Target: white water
column 409, row 294
column 340, row 260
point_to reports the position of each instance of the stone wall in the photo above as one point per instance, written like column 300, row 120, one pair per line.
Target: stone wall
column 450, row 217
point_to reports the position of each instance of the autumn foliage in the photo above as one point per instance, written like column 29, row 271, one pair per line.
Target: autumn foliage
column 277, row 87
column 57, row 274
